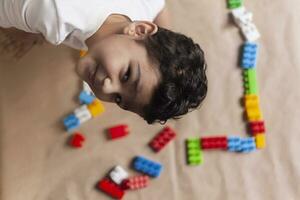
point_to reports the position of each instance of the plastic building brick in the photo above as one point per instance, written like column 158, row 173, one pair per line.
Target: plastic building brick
column 77, row 140
column 243, row 19
column 248, row 145
column 86, row 88
column 250, row 32
column 257, row 127
column 254, row 114
column 244, row 145
column 234, row 3
column 249, row 55
column 118, row 174
column 193, row 151
column 82, row 53
column 219, row 142
column 162, row 139
column 71, row 122
column 83, row 114
column 111, row 188
column 147, row 166
column 118, row 131
column 241, row 16
column 251, row 101
column 260, row 140
column 234, row 143
column 96, row 108
column 250, row 81
column 86, row 98
column 135, row 182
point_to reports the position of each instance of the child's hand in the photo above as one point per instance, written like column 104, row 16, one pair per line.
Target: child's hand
column 17, row 42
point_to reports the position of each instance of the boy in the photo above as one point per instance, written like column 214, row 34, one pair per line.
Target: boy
column 146, row 69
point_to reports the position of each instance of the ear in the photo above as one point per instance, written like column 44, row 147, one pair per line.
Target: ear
column 139, row 30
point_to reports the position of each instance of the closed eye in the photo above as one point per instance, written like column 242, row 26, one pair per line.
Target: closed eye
column 126, row 76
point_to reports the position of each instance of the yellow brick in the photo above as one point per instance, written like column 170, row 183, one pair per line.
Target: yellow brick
column 251, row 101
column 96, row 108
column 260, row 140
column 254, row 114
column 82, row 53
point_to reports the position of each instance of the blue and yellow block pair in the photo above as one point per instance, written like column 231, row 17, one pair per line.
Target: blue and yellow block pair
column 193, row 151
column 95, row 108
column 146, row 166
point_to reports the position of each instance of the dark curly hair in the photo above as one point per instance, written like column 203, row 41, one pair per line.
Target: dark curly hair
column 183, row 85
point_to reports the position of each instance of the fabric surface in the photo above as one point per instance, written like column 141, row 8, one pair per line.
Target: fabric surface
column 41, row 88
column 71, row 21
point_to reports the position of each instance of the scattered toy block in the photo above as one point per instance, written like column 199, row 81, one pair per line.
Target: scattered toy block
column 251, row 101
column 71, row 122
column 241, row 16
column 77, row 140
column 257, row 127
column 250, row 32
column 250, row 81
column 260, row 140
column 147, row 166
column 254, row 114
column 249, row 55
column 111, row 188
column 231, row 4
column 193, row 151
column 162, row 139
column 96, row 108
column 234, row 143
column 118, row 131
column 82, row 53
column 83, row 114
column 248, row 145
column 86, row 98
column 135, row 182
column 118, row 174
column 218, row 142
column 86, row 88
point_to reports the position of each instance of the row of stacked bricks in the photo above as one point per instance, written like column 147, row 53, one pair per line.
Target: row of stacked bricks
column 251, row 97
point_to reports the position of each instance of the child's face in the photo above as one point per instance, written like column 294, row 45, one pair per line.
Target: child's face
column 118, row 69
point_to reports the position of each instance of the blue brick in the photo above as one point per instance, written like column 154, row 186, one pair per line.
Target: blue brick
column 249, row 55
column 86, row 98
column 71, row 122
column 248, row 145
column 234, row 143
column 147, row 166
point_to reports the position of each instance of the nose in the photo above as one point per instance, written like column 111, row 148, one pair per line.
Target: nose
column 110, row 86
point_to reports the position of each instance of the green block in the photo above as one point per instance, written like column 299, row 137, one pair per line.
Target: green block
column 232, row 4
column 193, row 151
column 250, row 81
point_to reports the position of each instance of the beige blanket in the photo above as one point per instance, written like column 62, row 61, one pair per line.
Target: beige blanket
column 37, row 91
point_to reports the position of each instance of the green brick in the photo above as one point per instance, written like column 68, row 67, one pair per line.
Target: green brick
column 232, row 4
column 250, row 81
column 193, row 151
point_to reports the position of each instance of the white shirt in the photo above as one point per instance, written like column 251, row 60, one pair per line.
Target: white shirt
column 71, row 21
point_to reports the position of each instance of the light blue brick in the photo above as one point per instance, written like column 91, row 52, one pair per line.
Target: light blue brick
column 249, row 55
column 86, row 98
column 71, row 122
